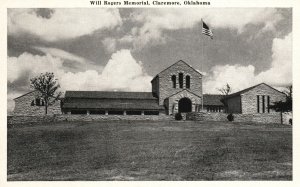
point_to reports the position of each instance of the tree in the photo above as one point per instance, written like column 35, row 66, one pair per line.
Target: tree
column 284, row 106
column 47, row 86
column 226, row 90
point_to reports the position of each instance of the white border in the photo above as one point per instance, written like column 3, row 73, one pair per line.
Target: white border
column 4, row 4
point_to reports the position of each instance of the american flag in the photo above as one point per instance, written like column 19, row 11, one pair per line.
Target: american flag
column 206, row 30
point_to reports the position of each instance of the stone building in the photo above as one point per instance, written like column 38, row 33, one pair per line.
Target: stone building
column 31, row 104
column 256, row 99
column 110, row 103
column 177, row 88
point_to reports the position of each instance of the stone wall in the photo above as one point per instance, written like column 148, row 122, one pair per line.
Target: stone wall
column 23, row 106
column 249, row 99
column 256, row 118
column 65, row 117
column 165, row 80
column 173, row 101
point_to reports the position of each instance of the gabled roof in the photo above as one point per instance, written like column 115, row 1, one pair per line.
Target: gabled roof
column 248, row 89
column 173, row 65
column 182, row 91
column 109, row 95
column 212, row 100
column 24, row 94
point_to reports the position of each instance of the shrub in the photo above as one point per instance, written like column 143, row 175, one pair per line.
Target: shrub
column 178, row 116
column 230, row 117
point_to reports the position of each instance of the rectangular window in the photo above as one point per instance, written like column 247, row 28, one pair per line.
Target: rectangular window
column 263, row 104
column 180, row 80
column 78, row 111
column 99, row 112
column 268, row 100
column 115, row 112
column 257, row 103
column 134, row 112
column 151, row 113
column 187, row 82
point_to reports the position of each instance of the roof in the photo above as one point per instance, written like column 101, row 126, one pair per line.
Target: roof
column 182, row 91
column 250, row 88
column 212, row 100
column 116, row 104
column 24, row 94
column 109, row 95
column 173, row 65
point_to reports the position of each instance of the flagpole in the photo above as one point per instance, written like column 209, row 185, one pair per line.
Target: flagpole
column 202, row 67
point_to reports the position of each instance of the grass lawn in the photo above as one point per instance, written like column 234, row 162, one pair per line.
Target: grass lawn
column 146, row 150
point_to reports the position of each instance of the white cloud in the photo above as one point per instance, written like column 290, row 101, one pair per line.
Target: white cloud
column 155, row 21
column 31, row 65
column 109, row 44
column 240, row 77
column 62, row 54
column 122, row 72
column 280, row 72
column 63, row 23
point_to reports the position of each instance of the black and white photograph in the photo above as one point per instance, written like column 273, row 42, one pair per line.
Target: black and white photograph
column 145, row 93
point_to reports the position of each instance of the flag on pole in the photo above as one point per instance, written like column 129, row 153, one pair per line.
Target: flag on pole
column 206, row 30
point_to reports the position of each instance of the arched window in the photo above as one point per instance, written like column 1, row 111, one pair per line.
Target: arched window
column 180, row 80
column 174, row 81
column 187, row 81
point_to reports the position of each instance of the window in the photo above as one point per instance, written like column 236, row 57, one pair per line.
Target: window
column 78, row 112
column 115, row 112
column 180, row 80
column 37, row 102
column 134, row 112
column 174, row 81
column 187, row 81
column 92, row 112
column 32, row 103
column 257, row 103
column 151, row 112
column 263, row 104
column 43, row 103
column 268, row 103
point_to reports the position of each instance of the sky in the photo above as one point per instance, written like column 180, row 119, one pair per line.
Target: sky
column 123, row 49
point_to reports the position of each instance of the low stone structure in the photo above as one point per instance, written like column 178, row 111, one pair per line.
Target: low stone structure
column 11, row 120
column 256, row 118
column 256, row 99
column 30, row 104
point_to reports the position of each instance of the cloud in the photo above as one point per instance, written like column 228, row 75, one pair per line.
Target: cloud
column 122, row 72
column 28, row 65
column 61, row 23
column 280, row 72
column 62, row 54
column 109, row 44
column 155, row 21
column 240, row 77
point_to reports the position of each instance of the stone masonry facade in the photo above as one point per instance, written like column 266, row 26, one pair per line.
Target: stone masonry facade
column 26, row 105
column 262, row 91
column 165, row 87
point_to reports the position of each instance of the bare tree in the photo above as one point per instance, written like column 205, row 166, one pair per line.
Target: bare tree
column 47, row 86
column 226, row 90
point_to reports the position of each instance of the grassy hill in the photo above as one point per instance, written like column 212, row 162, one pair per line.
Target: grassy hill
column 165, row 150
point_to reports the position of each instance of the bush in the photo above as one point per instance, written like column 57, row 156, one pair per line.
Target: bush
column 230, row 117
column 291, row 121
column 178, row 116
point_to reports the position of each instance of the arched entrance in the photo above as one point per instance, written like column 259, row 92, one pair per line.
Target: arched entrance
column 185, row 105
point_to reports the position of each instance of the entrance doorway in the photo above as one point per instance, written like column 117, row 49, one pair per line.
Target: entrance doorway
column 184, row 105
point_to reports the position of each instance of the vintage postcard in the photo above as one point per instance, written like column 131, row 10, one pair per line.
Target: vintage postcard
column 149, row 91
